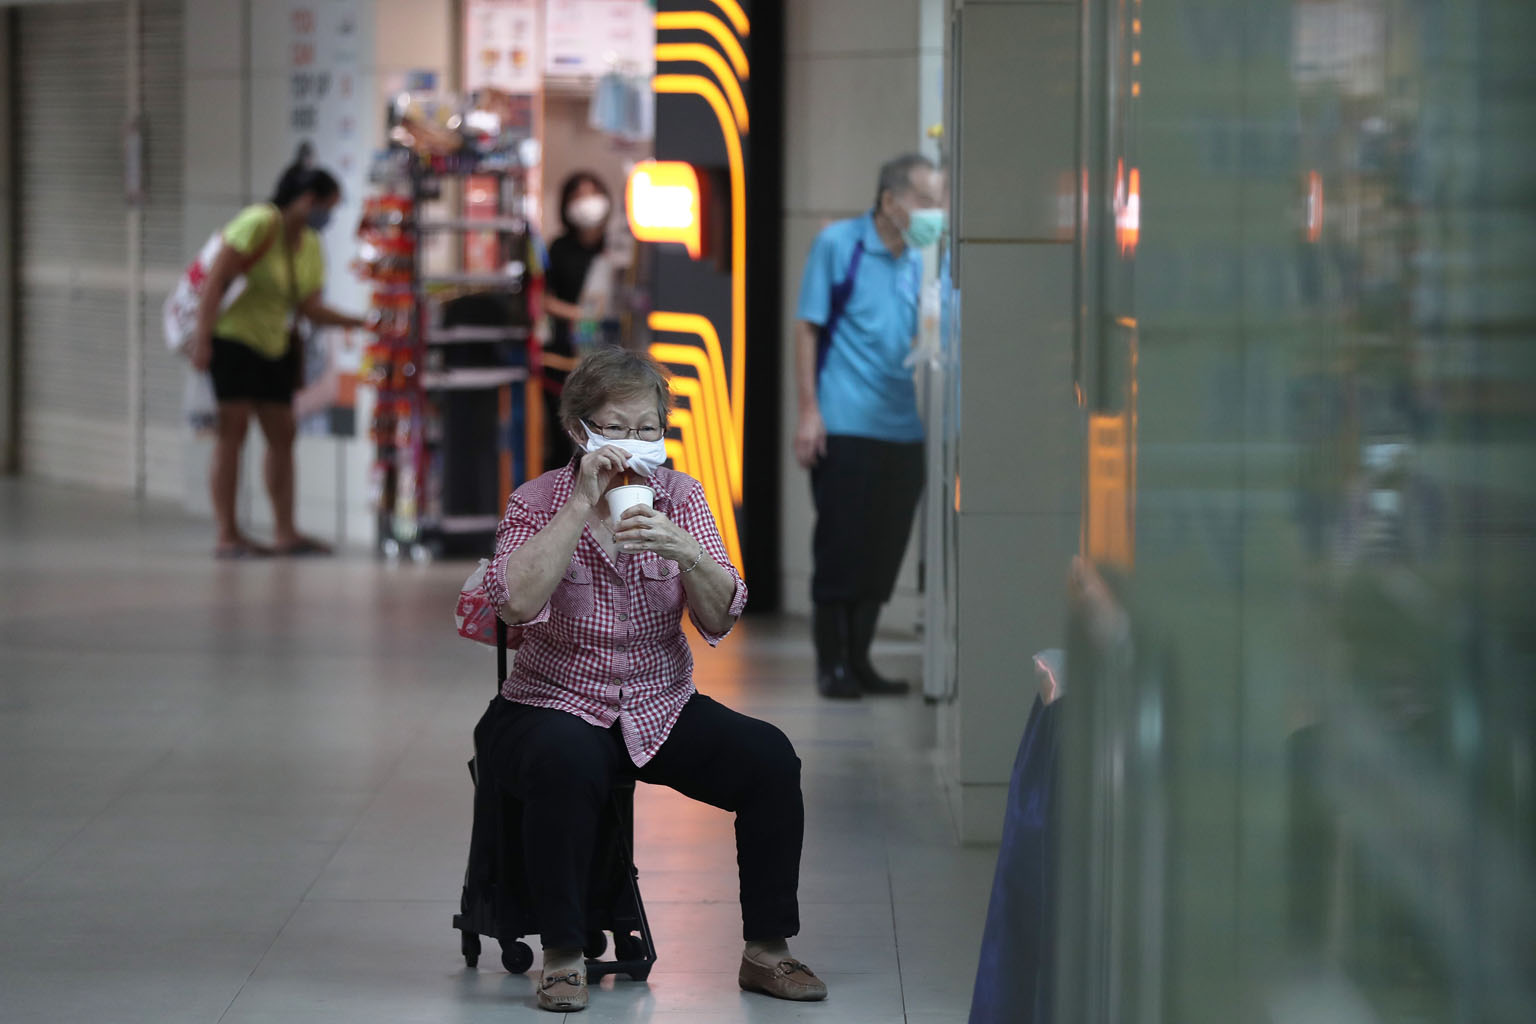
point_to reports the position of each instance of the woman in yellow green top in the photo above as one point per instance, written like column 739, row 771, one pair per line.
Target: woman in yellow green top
column 249, row 351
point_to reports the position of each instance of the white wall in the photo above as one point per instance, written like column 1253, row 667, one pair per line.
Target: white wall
column 570, row 146
column 862, row 83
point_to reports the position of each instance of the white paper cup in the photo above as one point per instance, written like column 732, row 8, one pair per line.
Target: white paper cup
column 622, row 499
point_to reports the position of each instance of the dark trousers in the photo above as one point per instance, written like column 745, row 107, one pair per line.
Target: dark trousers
column 562, row 769
column 866, row 495
column 1015, row 975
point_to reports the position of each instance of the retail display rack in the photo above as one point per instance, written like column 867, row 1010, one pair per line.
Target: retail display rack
column 455, row 366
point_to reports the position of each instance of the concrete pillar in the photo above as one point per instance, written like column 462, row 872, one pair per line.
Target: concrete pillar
column 1022, row 430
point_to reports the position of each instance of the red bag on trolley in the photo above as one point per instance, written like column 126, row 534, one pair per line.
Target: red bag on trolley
column 475, row 613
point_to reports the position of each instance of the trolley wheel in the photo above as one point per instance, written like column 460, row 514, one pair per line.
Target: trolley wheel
column 597, row 945
column 469, row 945
column 628, row 947
column 516, row 957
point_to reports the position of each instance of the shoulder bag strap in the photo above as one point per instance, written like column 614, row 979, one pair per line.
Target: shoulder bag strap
column 838, row 301
column 293, row 274
column 295, row 339
column 266, row 243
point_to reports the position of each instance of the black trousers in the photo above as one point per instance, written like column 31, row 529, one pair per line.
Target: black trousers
column 562, row 769
column 866, row 495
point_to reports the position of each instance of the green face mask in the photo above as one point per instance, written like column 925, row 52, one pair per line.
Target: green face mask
column 924, row 228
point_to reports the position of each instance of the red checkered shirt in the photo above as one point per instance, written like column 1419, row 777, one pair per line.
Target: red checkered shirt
column 608, row 645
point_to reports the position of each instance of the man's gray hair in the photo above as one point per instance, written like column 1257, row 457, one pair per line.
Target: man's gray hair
column 896, row 174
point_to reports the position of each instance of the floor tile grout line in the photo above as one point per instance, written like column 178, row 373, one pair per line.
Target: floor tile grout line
column 901, row 981
column 260, row 960
column 881, row 785
column 427, row 721
column 394, row 769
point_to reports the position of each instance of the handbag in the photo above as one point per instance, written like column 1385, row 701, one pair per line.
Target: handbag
column 474, row 615
column 178, row 316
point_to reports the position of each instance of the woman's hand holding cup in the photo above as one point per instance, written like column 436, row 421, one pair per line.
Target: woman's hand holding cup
column 645, row 529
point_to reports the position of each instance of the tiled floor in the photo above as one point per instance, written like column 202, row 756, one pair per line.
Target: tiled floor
column 236, row 792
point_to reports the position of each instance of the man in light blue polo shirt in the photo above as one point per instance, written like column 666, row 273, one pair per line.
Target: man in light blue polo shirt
column 859, row 431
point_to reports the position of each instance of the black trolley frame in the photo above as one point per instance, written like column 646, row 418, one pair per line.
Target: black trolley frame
column 495, row 902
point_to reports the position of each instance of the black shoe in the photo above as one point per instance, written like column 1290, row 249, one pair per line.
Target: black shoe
column 834, row 676
column 838, row 683
column 861, row 634
column 875, row 684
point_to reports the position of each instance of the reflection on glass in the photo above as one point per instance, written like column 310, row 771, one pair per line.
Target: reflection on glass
column 1318, row 263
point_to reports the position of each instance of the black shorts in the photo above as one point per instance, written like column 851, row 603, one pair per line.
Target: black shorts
column 241, row 374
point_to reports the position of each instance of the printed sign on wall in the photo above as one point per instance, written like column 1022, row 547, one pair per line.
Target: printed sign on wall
column 502, row 45
column 588, row 38
column 327, row 96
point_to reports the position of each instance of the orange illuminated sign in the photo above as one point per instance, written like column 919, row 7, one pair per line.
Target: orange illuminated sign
column 1314, row 206
column 1110, row 531
column 1127, row 209
column 709, row 360
column 664, row 205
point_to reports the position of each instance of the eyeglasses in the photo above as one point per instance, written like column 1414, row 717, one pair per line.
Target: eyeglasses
column 618, row 432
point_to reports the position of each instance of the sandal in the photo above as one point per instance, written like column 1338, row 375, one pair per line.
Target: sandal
column 302, row 548
column 563, row 993
column 241, row 549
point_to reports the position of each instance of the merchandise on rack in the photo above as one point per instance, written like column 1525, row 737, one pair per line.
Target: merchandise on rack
column 455, row 358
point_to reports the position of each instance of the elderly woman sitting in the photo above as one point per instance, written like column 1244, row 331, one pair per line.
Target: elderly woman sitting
column 602, row 687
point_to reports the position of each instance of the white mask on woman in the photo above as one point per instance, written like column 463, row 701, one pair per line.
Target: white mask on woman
column 645, row 457
column 587, row 212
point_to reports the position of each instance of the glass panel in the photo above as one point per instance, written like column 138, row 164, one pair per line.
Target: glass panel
column 1302, row 786
column 938, row 374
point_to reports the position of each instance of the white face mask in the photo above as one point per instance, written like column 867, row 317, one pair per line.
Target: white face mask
column 588, row 211
column 645, row 457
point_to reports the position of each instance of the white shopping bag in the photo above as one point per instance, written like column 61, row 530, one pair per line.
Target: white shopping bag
column 199, row 407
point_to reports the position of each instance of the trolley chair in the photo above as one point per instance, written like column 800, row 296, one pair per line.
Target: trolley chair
column 496, row 901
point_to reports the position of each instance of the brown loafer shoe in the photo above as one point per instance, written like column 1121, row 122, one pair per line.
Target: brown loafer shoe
column 563, row 993
column 790, row 979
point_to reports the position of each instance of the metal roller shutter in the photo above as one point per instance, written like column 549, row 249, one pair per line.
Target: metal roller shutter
column 72, row 233
column 160, row 48
column 72, row 304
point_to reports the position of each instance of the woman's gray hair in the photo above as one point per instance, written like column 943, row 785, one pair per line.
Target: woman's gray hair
column 610, row 374
column 896, row 174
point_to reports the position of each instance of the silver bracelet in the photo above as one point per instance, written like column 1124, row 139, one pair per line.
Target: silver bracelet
column 696, row 561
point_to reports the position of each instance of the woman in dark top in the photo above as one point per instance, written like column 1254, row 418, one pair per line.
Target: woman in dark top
column 585, row 205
